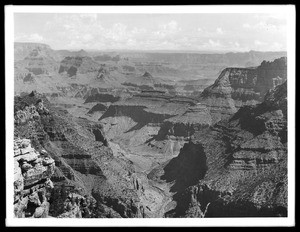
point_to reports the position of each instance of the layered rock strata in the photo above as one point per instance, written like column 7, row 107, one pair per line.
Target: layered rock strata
column 85, row 164
column 236, row 87
column 74, row 65
column 244, row 165
column 32, row 184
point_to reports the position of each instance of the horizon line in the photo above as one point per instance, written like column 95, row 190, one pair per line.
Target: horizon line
column 149, row 50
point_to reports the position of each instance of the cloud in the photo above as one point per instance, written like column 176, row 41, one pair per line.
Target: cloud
column 171, row 26
column 118, row 32
column 272, row 25
column 277, row 46
column 35, row 37
column 219, row 31
column 279, row 18
column 88, row 37
column 166, row 30
column 246, row 25
column 259, row 43
column 76, row 31
column 214, row 43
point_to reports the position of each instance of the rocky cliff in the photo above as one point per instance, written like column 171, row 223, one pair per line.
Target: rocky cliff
column 22, row 50
column 32, row 184
column 40, row 60
column 174, row 116
column 245, row 165
column 236, row 87
column 84, row 162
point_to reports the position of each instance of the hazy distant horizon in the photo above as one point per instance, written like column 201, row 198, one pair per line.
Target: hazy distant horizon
column 153, row 51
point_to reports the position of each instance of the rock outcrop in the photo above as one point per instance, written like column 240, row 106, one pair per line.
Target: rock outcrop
column 236, row 87
column 40, row 60
column 143, row 81
column 98, row 107
column 103, row 74
column 23, row 50
column 85, row 164
column 32, row 184
column 78, row 64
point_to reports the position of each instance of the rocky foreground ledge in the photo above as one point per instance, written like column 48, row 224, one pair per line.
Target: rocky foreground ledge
column 32, row 173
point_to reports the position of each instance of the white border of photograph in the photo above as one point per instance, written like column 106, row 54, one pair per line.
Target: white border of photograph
column 289, row 10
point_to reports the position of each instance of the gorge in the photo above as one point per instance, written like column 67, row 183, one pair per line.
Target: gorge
column 113, row 136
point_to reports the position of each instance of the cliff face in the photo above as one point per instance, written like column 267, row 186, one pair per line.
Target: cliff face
column 74, row 65
column 40, row 60
column 22, row 50
column 246, row 160
column 154, row 119
column 181, row 128
column 271, row 74
column 236, row 87
column 84, row 162
column 32, row 184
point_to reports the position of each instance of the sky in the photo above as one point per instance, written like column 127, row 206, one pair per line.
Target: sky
column 186, row 31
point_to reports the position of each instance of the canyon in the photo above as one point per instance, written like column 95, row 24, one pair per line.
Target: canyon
column 149, row 135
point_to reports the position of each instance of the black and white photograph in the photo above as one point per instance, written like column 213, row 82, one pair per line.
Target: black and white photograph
column 150, row 115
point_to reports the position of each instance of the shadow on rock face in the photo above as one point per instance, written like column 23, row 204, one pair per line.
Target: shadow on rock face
column 99, row 137
column 187, row 168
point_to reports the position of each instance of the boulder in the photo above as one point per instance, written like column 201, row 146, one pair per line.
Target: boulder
column 26, row 166
column 26, row 150
column 34, row 198
column 28, row 157
column 17, row 152
column 47, row 161
column 25, row 143
column 38, row 212
column 37, row 173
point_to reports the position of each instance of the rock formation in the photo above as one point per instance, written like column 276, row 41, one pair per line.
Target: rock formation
column 246, row 160
column 236, row 87
column 40, row 60
column 84, row 163
column 143, row 81
column 78, row 64
column 32, row 184
column 155, row 150
column 23, row 50
column 103, row 73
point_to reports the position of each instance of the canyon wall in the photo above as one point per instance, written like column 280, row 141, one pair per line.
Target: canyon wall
column 84, row 163
column 236, row 87
column 246, row 160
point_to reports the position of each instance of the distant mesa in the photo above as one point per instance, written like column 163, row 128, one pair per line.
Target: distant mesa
column 36, row 59
column 105, row 58
column 147, row 75
column 78, row 64
column 81, row 53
